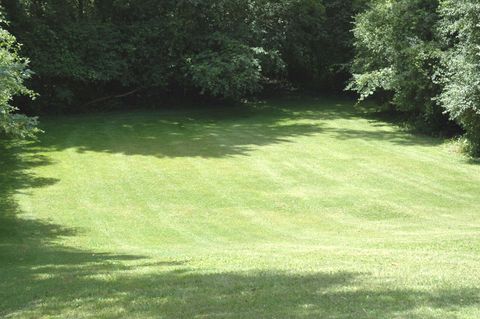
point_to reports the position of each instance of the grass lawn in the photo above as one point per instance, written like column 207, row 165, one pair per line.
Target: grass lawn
column 301, row 208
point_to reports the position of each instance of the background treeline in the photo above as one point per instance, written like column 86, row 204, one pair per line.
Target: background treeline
column 82, row 49
column 420, row 57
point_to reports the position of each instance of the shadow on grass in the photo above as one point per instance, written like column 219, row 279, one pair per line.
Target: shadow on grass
column 213, row 132
column 103, row 288
column 473, row 161
column 397, row 137
column 15, row 179
column 27, row 245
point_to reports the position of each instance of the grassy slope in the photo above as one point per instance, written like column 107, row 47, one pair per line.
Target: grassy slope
column 300, row 209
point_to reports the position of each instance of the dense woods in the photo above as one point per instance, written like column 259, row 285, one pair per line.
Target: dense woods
column 224, row 49
column 419, row 57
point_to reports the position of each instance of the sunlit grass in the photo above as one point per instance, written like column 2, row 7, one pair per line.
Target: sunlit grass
column 289, row 209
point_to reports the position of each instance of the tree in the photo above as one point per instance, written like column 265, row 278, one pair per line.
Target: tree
column 460, row 30
column 13, row 72
column 81, row 50
column 397, row 55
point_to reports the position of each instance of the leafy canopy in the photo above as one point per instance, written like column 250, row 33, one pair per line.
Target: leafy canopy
column 13, row 72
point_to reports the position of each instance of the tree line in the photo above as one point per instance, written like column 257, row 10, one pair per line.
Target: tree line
column 420, row 57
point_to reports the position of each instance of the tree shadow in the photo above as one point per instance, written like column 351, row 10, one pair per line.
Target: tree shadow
column 397, row 137
column 105, row 289
column 213, row 131
column 15, row 179
column 473, row 161
column 194, row 133
column 27, row 245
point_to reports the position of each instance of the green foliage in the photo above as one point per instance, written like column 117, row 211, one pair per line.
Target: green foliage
column 231, row 70
column 397, row 52
column 305, row 33
column 13, row 72
column 460, row 28
column 427, row 55
column 222, row 48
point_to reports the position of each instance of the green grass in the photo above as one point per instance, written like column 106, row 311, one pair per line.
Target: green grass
column 292, row 209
